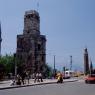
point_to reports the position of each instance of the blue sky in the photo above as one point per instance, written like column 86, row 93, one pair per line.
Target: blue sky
column 69, row 26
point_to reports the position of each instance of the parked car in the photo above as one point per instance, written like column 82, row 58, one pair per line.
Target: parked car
column 90, row 78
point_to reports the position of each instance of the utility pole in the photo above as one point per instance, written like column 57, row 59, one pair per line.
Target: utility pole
column 54, row 66
column 71, row 62
column 64, row 68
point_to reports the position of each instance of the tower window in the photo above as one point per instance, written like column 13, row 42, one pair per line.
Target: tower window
column 28, row 32
column 39, row 47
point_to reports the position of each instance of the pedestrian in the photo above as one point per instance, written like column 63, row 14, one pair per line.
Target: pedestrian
column 36, row 77
column 23, row 77
column 40, row 77
column 28, row 76
column 13, row 82
column 18, row 80
column 59, row 78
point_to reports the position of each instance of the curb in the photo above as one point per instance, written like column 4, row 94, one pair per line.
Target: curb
column 34, row 85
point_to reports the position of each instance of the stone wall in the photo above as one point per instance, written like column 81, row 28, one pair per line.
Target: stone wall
column 31, row 46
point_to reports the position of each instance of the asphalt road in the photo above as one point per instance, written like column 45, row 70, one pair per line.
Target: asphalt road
column 70, row 88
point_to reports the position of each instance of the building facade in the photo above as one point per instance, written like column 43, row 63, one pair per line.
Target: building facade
column 31, row 45
column 86, row 62
column 0, row 39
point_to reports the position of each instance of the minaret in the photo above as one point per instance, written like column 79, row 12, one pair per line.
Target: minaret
column 86, row 62
column 0, row 39
column 91, row 67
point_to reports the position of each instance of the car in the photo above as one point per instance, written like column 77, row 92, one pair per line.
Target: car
column 90, row 78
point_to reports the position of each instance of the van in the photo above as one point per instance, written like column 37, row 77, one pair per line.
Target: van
column 69, row 74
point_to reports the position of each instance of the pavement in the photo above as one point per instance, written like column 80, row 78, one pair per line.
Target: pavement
column 7, row 84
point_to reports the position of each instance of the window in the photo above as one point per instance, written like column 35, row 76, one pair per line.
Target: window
column 39, row 47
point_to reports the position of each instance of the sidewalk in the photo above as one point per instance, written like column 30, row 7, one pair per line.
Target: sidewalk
column 7, row 84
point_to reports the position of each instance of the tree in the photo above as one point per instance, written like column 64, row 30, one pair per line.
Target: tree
column 7, row 62
column 47, row 71
column 2, row 71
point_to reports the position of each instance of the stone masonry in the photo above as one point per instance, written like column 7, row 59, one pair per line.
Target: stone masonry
column 31, row 45
column 86, row 62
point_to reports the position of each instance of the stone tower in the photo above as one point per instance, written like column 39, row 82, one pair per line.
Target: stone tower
column 32, row 23
column 31, row 46
column 0, row 39
column 86, row 62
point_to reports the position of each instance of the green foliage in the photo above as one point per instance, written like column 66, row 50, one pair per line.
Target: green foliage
column 47, row 71
column 8, row 63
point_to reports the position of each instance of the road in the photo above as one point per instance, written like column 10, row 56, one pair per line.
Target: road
column 70, row 88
